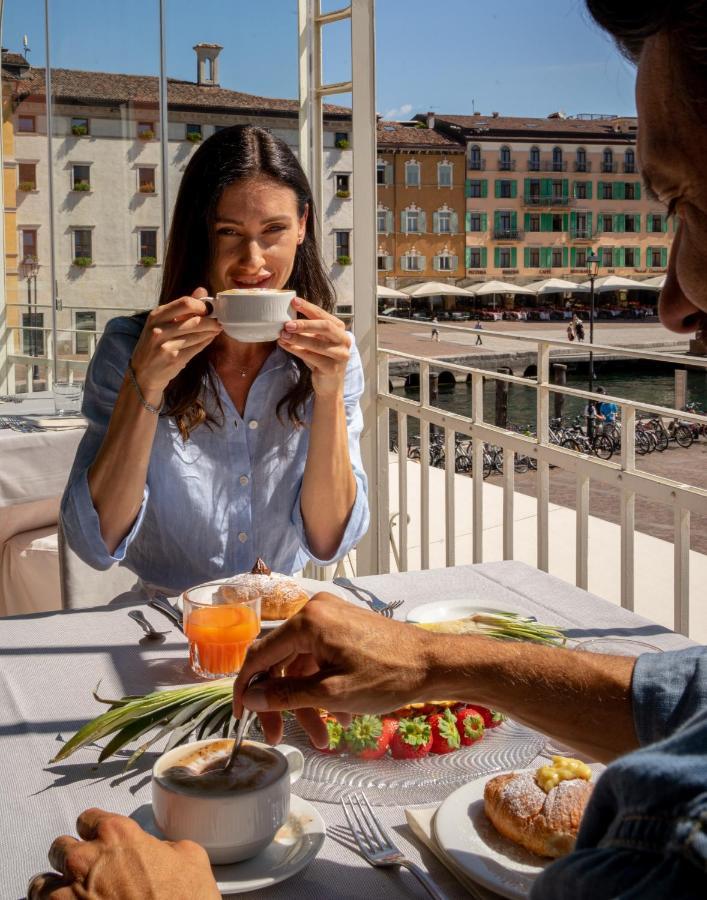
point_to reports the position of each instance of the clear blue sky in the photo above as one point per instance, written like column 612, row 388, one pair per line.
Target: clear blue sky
column 518, row 57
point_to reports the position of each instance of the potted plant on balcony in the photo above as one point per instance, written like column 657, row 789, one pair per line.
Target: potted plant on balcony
column 343, row 195
column 81, row 186
column 79, row 130
column 148, row 261
column 146, row 135
column 343, row 144
column 344, row 260
column 194, row 136
column 26, row 186
column 83, row 262
column 147, row 188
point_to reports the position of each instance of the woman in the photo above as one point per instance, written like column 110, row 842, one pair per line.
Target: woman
column 203, row 453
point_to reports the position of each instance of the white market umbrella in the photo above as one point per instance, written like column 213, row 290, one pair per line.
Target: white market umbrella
column 614, row 283
column 435, row 288
column 498, row 287
column 384, row 292
column 555, row 286
column 656, row 283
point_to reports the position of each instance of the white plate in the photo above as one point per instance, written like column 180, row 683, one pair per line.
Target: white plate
column 295, row 845
column 463, row 831
column 446, row 611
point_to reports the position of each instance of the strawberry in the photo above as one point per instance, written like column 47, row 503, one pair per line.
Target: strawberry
column 445, row 736
column 492, row 718
column 471, row 725
column 412, row 740
column 368, row 737
column 336, row 733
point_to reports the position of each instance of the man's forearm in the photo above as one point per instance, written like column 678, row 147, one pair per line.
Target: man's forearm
column 582, row 699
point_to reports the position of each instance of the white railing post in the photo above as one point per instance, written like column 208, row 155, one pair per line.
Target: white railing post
column 383, row 471
column 508, row 495
column 424, row 467
column 582, row 532
column 477, row 468
column 403, row 490
column 543, row 484
column 449, row 509
column 682, row 571
column 628, row 505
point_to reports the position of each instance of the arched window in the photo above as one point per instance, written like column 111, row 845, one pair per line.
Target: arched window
column 504, row 159
column 444, row 174
column 607, row 160
column 581, row 161
column 629, row 161
column 557, row 163
column 475, row 157
column 534, row 159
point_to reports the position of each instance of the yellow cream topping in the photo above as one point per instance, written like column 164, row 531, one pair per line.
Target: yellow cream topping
column 563, row 768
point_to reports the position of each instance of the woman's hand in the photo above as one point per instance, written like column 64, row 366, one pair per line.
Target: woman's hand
column 321, row 341
column 173, row 334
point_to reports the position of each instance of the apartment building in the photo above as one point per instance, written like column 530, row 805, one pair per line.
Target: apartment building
column 541, row 194
column 421, row 204
column 106, row 158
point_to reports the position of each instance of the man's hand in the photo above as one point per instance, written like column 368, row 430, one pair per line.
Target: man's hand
column 334, row 656
column 116, row 860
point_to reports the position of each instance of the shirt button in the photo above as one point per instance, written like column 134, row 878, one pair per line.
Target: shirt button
column 242, row 537
column 252, row 424
column 244, row 480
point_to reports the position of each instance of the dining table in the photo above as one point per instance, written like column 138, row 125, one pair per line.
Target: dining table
column 51, row 662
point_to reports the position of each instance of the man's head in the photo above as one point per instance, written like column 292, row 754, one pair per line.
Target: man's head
column 667, row 40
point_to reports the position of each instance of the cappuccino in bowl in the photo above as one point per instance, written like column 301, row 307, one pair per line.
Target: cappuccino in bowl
column 233, row 815
column 254, row 315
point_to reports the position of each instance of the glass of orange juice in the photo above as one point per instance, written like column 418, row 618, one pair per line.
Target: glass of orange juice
column 219, row 630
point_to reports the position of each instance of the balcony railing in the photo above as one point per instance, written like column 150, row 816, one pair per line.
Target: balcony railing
column 477, row 165
column 534, row 200
column 609, row 167
column 581, row 234
column 623, row 475
column 507, row 234
column 585, row 166
column 547, row 165
column 630, row 168
column 506, row 165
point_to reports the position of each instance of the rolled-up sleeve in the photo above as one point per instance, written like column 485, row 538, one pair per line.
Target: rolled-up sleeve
column 104, row 378
column 359, row 518
column 668, row 689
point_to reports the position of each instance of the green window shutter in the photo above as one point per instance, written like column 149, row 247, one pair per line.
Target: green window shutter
column 589, row 190
column 467, row 256
column 565, row 222
column 496, row 257
column 637, row 257
column 637, row 190
column 590, row 216
column 497, row 221
column 526, row 221
column 573, row 257
column 467, row 187
column 545, row 257
column 403, row 222
column 514, row 188
column 484, row 187
column 664, row 222
column 484, row 222
column 565, row 255
column 546, row 221
column 619, row 190
column 467, row 221
column 573, row 221
column 546, row 187
column 649, row 223
column 526, row 257
column 637, row 220
column 600, row 221
column 565, row 187
column 620, row 222
column 664, row 256
column 483, row 257
column 619, row 256
column 497, row 188
column 514, row 257
column 526, row 187
column 514, row 221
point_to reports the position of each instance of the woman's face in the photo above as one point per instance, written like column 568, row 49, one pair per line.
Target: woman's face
column 672, row 148
column 255, row 235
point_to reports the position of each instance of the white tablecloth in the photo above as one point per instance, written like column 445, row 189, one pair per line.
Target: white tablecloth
column 51, row 662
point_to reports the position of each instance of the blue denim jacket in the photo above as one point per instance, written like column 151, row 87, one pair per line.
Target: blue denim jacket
column 644, row 832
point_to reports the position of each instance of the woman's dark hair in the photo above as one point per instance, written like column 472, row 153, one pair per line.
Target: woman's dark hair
column 684, row 22
column 233, row 154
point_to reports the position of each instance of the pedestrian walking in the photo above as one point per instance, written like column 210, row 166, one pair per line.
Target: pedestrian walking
column 435, row 331
column 570, row 331
column 477, row 328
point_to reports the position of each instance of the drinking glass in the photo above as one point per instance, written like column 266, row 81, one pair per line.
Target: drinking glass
column 219, row 630
column 67, row 397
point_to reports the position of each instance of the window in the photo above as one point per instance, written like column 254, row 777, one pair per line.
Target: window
column 475, row 157
column 341, row 139
column 557, row 162
column 581, row 224
column 504, row 159
column 381, row 221
column 580, row 190
column 33, row 334
column 146, row 180
column 505, row 188
column 630, row 191
column 630, row 257
column 343, row 188
column 148, row 246
column 655, row 223
column 534, row 222
column 558, row 192
column 607, row 257
column 79, row 126
column 444, row 174
column 657, row 257
column 581, row 160
column 412, row 174
column 534, row 188
column 608, row 190
column 384, row 173
column 557, row 222
column 607, row 223
column 29, row 244
column 474, row 189
column 26, row 124
column 445, row 262
column 580, row 260
column 412, row 262
column 146, row 130
column 444, row 221
column 504, row 222
column 557, row 257
column 194, row 132
column 84, row 324
column 82, row 245
column 629, row 161
column 412, row 221
column 343, row 246
column 80, row 177
column 474, row 257
column 631, row 223
column 533, row 257
column 27, row 176
column 474, row 221
column 607, row 160
column 534, row 159
column 504, row 257
column 385, row 262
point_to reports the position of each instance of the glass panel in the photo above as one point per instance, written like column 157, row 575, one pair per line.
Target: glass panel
column 148, row 245
column 81, row 180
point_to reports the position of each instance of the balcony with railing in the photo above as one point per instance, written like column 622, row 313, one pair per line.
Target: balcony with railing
column 554, row 200
column 507, row 234
column 609, row 167
column 581, row 234
column 547, row 165
column 476, row 165
column 582, row 165
column 506, row 165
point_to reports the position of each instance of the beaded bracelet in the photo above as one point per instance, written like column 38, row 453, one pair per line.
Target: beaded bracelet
column 148, row 406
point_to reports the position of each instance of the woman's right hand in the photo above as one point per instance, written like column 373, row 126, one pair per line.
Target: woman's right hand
column 173, row 334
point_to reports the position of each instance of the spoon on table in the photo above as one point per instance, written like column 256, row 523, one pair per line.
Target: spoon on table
column 146, row 625
column 162, row 605
column 244, row 723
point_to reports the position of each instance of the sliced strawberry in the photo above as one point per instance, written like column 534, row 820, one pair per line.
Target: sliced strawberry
column 412, row 740
column 445, row 736
column 336, row 733
column 470, row 724
column 492, row 718
column 368, row 737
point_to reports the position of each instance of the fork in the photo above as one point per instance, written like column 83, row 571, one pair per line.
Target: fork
column 366, row 596
column 376, row 845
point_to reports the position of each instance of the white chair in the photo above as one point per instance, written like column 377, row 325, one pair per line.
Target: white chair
column 83, row 587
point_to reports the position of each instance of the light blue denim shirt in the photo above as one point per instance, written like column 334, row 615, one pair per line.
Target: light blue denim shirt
column 228, row 495
column 644, row 832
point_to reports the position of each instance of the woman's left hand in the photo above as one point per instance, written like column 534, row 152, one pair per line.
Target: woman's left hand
column 321, row 341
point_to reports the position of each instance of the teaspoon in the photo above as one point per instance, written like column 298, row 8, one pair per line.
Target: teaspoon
column 244, row 723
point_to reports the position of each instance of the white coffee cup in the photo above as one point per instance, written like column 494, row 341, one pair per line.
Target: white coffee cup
column 254, row 315
column 230, row 825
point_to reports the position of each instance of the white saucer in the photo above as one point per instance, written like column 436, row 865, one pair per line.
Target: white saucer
column 446, row 611
column 295, row 845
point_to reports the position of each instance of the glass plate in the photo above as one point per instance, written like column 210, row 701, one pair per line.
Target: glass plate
column 396, row 782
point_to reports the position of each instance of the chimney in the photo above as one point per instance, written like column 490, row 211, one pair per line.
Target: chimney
column 207, row 64
column 494, row 115
column 430, row 120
